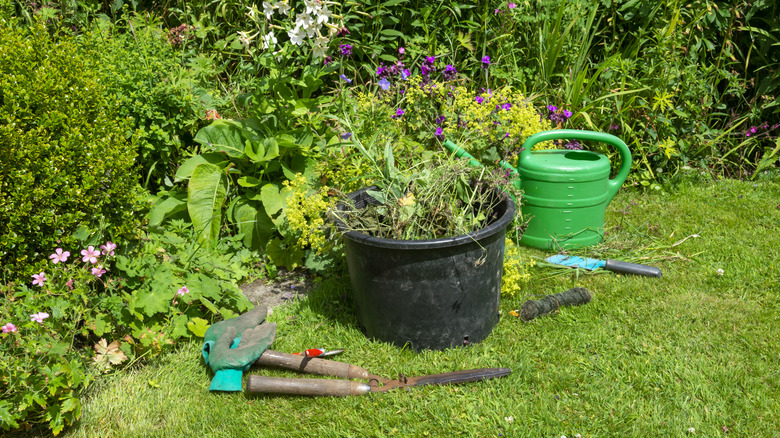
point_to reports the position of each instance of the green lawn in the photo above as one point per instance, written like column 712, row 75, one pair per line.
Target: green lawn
column 646, row 357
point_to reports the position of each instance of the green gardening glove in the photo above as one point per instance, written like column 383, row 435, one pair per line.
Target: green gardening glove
column 240, row 324
column 245, row 321
column 229, row 363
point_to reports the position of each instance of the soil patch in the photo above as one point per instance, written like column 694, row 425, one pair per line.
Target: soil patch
column 282, row 289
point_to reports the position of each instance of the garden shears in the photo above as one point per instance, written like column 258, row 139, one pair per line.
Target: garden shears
column 353, row 380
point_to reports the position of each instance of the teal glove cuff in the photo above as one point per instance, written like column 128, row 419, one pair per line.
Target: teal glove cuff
column 228, row 380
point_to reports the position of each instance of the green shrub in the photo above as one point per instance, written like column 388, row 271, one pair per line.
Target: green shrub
column 65, row 161
column 143, row 72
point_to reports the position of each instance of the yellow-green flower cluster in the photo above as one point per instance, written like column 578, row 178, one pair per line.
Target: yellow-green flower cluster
column 516, row 269
column 305, row 212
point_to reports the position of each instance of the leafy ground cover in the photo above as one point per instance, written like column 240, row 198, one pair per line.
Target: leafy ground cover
column 691, row 354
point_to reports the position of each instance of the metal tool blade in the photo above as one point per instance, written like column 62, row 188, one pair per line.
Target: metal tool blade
column 453, row 377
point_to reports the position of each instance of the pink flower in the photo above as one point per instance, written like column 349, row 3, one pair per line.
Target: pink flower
column 9, row 328
column 39, row 279
column 183, row 291
column 39, row 317
column 511, row 5
column 90, row 254
column 59, row 256
column 108, row 248
column 98, row 271
column 69, row 284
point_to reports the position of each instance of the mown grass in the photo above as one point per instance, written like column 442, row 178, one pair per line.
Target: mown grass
column 646, row 357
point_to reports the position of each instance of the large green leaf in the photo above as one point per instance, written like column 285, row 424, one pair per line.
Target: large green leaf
column 260, row 152
column 166, row 207
column 206, row 193
column 272, row 200
column 187, row 167
column 281, row 254
column 226, row 136
column 255, row 229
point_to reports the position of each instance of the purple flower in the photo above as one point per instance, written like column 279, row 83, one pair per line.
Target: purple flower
column 98, row 271
column 440, row 119
column 384, row 83
column 346, row 50
column 346, row 136
column 405, row 74
column 39, row 279
column 552, row 108
column 108, row 248
column 506, row 106
column 90, row 255
column 573, row 145
column 439, row 133
column 39, row 317
column 567, row 113
column 59, row 256
column 449, row 72
column 381, row 71
column 327, row 61
column 345, row 79
column 428, row 65
column 614, row 127
column 479, row 99
column 485, row 61
column 398, row 113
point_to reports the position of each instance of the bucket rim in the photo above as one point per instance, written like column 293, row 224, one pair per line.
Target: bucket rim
column 496, row 227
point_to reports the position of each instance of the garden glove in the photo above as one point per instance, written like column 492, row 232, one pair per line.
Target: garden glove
column 240, row 324
column 229, row 363
column 245, row 321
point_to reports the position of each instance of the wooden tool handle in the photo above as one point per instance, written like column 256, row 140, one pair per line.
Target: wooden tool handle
column 312, row 387
column 312, row 365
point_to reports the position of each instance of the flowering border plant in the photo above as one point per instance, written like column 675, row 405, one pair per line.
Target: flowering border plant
column 395, row 127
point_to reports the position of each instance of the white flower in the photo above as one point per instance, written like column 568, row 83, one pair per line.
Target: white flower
column 268, row 10
column 323, row 16
column 245, row 38
column 312, row 6
column 720, row 271
column 691, row 430
column 317, row 51
column 283, row 7
column 304, row 21
column 321, row 40
column 509, row 419
column 296, row 37
column 269, row 40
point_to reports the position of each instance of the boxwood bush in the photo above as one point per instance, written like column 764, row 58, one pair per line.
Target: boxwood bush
column 65, row 158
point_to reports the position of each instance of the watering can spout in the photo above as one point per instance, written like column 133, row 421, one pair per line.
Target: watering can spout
column 462, row 153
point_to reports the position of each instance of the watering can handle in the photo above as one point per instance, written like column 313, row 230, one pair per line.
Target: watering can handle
column 576, row 134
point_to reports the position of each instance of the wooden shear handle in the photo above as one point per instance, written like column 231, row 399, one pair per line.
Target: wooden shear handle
column 313, row 387
column 313, row 365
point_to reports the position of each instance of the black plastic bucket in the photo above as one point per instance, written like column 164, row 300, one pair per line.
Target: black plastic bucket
column 430, row 294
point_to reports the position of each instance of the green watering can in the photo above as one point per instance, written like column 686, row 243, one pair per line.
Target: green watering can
column 565, row 192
